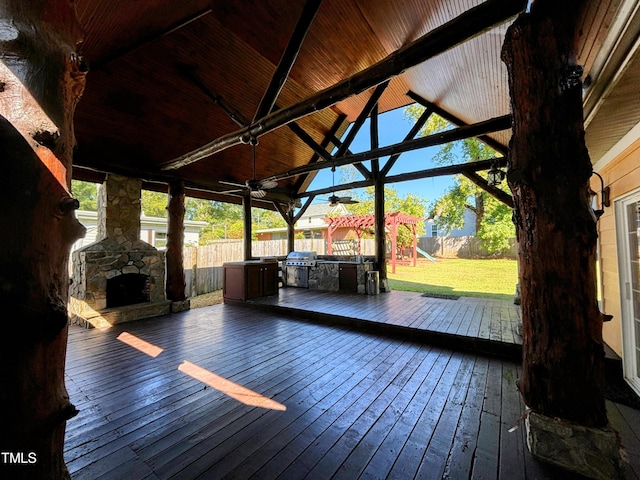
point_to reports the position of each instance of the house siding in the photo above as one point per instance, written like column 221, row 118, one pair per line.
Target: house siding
column 622, row 175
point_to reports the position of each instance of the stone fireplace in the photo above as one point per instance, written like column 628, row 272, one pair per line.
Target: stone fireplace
column 120, row 277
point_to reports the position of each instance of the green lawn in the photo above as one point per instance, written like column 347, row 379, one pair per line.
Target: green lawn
column 466, row 278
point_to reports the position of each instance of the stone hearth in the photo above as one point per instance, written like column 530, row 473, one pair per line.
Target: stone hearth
column 98, row 296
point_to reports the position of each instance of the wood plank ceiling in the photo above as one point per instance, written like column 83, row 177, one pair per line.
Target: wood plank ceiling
column 167, row 76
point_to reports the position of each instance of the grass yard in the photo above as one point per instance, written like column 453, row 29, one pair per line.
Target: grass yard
column 462, row 277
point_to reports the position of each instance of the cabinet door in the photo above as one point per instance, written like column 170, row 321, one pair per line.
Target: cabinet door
column 270, row 279
column 348, row 278
column 233, row 282
column 253, row 281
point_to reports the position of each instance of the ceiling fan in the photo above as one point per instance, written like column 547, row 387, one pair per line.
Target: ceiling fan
column 334, row 199
column 256, row 188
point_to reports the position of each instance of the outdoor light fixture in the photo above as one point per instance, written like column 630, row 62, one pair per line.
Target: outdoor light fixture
column 495, row 176
column 604, row 196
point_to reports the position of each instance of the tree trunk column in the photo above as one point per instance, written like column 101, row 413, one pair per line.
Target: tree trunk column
column 549, row 172
column 42, row 79
column 380, row 235
column 549, row 177
column 246, row 209
column 563, row 358
column 175, row 244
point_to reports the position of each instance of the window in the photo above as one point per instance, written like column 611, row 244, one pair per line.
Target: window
column 160, row 239
column 434, row 230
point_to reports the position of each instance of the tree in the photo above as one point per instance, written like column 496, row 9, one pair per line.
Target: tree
column 86, row 193
column 154, row 204
column 493, row 222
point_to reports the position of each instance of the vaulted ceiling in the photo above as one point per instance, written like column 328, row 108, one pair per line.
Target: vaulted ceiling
column 168, row 77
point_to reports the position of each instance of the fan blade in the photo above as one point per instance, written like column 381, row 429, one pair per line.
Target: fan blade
column 268, row 184
column 347, row 200
column 233, row 184
column 226, row 192
column 258, row 193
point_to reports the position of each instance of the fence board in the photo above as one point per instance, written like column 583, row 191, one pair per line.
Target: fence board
column 461, row 247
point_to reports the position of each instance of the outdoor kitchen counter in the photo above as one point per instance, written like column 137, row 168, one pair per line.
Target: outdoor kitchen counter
column 336, row 275
column 249, row 279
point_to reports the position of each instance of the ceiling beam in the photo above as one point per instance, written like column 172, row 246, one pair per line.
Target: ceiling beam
column 374, row 140
column 288, row 59
column 495, row 192
column 189, row 73
column 330, row 138
column 357, row 125
column 310, row 142
column 449, row 117
column 410, row 136
column 492, row 125
column 418, row 175
column 462, row 28
column 448, row 170
column 103, row 62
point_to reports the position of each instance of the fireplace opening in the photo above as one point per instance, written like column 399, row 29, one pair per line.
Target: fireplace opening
column 127, row 289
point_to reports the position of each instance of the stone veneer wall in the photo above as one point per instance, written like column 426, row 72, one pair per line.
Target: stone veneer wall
column 325, row 276
column 119, row 252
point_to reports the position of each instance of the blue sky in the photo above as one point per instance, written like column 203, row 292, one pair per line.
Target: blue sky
column 393, row 127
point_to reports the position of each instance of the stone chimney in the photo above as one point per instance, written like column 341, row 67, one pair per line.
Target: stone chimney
column 119, row 210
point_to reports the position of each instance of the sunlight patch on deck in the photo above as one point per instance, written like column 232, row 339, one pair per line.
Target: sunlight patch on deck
column 233, row 390
column 139, row 344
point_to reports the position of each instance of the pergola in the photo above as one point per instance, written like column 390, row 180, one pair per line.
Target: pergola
column 366, row 222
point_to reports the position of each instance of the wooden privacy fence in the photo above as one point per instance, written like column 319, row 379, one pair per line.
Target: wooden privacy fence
column 462, row 247
column 203, row 265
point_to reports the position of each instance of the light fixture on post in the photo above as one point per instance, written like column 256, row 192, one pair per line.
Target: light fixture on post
column 495, row 176
column 604, row 196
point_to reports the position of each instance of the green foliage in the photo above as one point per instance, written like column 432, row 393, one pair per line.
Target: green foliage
column 154, row 204
column 498, row 228
column 226, row 219
column 493, row 219
column 86, row 193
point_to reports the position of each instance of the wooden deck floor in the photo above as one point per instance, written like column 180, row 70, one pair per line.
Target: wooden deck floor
column 476, row 324
column 330, row 402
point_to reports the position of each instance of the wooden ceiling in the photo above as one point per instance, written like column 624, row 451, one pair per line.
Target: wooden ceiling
column 167, row 77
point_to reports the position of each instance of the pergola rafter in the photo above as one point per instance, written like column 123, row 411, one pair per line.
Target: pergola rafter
column 362, row 223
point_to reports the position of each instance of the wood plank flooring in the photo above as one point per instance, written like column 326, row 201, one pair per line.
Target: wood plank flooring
column 475, row 324
column 358, row 405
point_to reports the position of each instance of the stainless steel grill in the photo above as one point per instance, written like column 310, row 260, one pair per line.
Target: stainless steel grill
column 301, row 259
column 296, row 268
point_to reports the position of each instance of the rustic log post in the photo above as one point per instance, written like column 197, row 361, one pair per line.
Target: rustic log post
column 246, row 209
column 380, row 233
column 291, row 237
column 563, row 358
column 41, row 80
column 175, row 244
